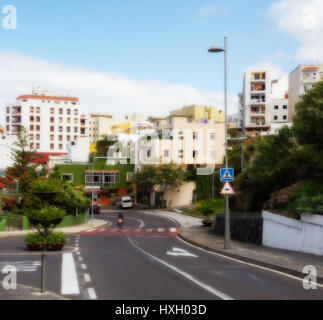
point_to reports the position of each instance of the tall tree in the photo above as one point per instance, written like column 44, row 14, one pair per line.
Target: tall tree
column 22, row 170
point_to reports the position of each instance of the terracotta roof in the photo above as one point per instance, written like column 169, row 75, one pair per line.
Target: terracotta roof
column 40, row 97
column 43, row 158
column 310, row 68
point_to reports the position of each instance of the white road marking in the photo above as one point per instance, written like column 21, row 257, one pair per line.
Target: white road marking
column 91, row 230
column 149, row 230
column 247, row 263
column 92, row 294
column 22, row 266
column 172, row 229
column 138, row 230
column 78, row 253
column 185, row 274
column 180, row 252
column 161, row 230
column 87, row 277
column 114, row 230
column 80, row 259
column 83, row 266
column 141, row 225
column 70, row 283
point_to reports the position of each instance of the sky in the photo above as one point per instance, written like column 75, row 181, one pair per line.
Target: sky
column 150, row 56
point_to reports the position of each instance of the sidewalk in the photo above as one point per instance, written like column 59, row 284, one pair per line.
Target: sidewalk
column 67, row 230
column 27, row 293
column 281, row 260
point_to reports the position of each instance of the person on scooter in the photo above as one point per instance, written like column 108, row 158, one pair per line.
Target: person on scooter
column 120, row 219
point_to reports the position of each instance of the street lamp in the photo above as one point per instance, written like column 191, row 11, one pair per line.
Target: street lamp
column 217, row 49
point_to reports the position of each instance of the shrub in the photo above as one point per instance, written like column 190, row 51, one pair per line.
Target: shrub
column 46, row 185
column 34, row 238
column 57, row 238
column 47, row 213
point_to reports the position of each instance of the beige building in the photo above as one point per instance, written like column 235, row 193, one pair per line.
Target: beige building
column 302, row 79
column 185, row 142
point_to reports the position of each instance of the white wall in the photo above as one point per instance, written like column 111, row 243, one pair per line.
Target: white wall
column 6, row 145
column 305, row 235
column 180, row 197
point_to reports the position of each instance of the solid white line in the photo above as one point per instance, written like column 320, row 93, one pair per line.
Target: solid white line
column 92, row 294
column 185, row 274
column 172, row 229
column 248, row 263
column 87, row 277
column 141, row 225
column 83, row 266
column 70, row 283
column 91, row 230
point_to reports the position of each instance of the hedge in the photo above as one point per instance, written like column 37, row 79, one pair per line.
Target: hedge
column 3, row 225
column 245, row 227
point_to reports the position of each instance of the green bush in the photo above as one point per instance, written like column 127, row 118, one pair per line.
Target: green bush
column 47, row 213
column 46, row 185
column 57, row 238
column 34, row 238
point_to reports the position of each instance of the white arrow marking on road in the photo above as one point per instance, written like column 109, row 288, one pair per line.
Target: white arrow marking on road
column 181, row 252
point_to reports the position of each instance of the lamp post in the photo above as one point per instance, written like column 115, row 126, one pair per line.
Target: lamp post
column 217, row 49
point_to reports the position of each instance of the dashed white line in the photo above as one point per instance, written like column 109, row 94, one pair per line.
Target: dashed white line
column 149, row 230
column 83, row 266
column 87, row 277
column 172, row 229
column 80, row 259
column 92, row 294
column 161, row 230
column 69, row 283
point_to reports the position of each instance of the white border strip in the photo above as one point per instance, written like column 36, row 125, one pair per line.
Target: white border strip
column 70, row 283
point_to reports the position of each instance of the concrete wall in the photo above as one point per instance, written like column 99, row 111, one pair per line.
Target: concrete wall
column 180, row 197
column 305, row 235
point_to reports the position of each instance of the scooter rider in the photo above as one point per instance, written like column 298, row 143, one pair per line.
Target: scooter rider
column 120, row 218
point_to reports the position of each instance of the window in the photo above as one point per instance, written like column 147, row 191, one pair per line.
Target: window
column 149, row 153
column 68, row 111
column 180, row 154
column 8, row 119
column 31, row 137
column 129, row 176
column 285, row 107
column 195, row 135
column 181, row 135
column 212, row 136
column 275, row 118
column 76, row 112
column 60, row 147
column 166, row 153
column 101, row 179
column 83, row 131
column 52, row 110
column 8, row 110
column 31, row 128
column 68, row 138
column 195, row 154
column 32, row 119
column 60, row 129
column 52, row 137
column 38, row 128
column 68, row 129
column 75, row 138
column 37, row 146
column 32, row 109
column 38, row 119
column 67, row 177
column 52, row 119
column 285, row 117
column 75, row 121
column 52, row 129
column 68, row 120
column 75, row 130
column 38, row 109
column 52, row 146
column 276, row 107
column 38, row 137
column 31, row 146
column 60, row 120
column 60, row 111
column 8, row 128
column 60, row 138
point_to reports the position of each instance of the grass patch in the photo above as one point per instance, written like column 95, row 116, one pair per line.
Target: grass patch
column 218, row 208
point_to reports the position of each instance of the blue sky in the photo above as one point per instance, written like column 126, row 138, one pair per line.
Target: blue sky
column 163, row 40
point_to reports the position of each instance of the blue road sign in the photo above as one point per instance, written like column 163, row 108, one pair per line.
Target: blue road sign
column 227, row 175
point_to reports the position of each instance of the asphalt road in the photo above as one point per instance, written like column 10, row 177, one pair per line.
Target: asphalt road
column 146, row 261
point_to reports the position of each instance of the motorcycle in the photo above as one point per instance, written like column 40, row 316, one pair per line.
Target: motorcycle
column 120, row 223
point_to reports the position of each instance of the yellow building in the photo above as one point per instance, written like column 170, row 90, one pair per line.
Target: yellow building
column 199, row 112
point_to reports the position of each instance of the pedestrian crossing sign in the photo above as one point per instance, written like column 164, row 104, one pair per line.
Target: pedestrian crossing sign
column 227, row 175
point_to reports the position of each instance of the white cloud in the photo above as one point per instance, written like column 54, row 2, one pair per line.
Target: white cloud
column 99, row 91
column 301, row 19
column 207, row 13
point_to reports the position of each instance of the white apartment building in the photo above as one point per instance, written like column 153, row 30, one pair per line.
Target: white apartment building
column 302, row 79
column 52, row 121
column 264, row 102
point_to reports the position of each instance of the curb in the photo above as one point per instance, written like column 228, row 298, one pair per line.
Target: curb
column 11, row 234
column 291, row 272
